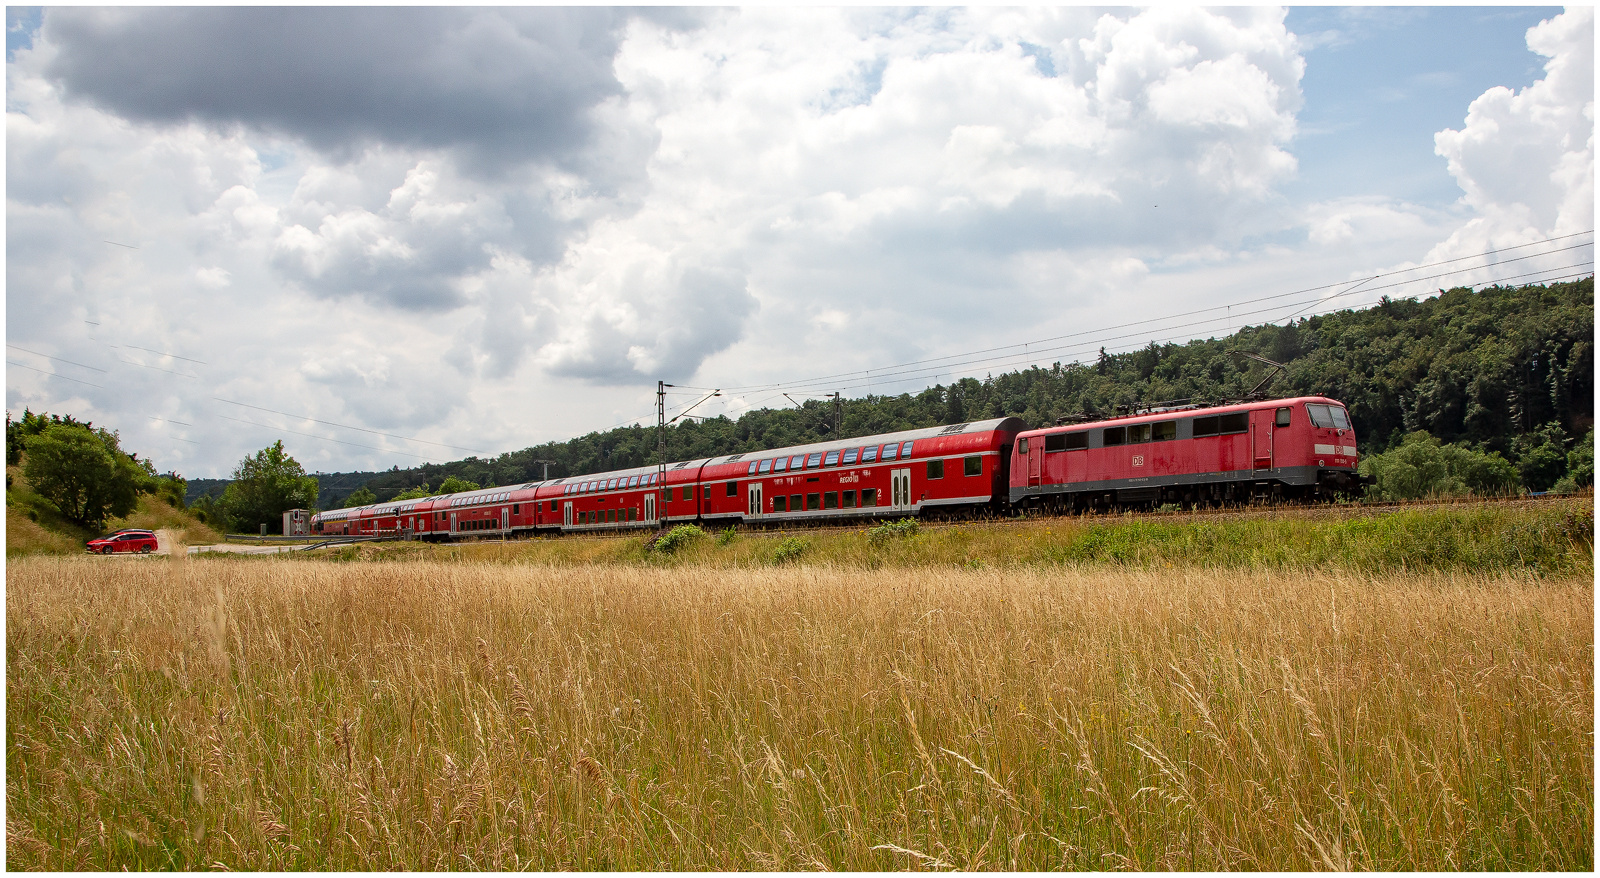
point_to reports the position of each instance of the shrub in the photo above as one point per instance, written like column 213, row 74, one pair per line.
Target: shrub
column 900, row 527
column 726, row 536
column 1424, row 467
column 675, row 539
column 789, row 549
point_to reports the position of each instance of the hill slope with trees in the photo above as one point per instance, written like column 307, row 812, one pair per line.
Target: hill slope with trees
column 1504, row 370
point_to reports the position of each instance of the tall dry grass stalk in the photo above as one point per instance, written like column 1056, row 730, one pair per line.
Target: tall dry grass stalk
column 288, row 715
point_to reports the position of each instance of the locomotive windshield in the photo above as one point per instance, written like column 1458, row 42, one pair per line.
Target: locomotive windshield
column 1328, row 416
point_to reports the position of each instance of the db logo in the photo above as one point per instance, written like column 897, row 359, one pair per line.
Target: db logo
column 1138, row 460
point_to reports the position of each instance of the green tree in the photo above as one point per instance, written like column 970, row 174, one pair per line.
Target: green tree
column 361, row 496
column 265, row 485
column 85, row 473
column 1580, row 461
column 453, row 485
column 1424, row 467
column 1541, row 457
column 416, row 493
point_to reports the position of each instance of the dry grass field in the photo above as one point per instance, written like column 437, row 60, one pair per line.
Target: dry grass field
column 431, row 714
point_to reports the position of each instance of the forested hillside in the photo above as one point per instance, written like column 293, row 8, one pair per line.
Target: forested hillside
column 1504, row 369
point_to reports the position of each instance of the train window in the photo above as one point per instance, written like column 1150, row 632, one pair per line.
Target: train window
column 794, row 502
column 869, row 496
column 891, row 451
column 780, row 503
column 615, row 484
column 832, row 459
column 1114, row 436
column 766, row 466
column 1138, row 433
column 814, row 460
column 552, row 505
column 1238, row 422
column 516, row 509
column 905, row 451
column 733, row 489
column 813, row 501
column 849, row 500
column 1282, row 418
column 1340, row 419
column 850, row 455
column 633, row 514
column 753, row 465
column 1319, row 416
column 972, row 465
column 1022, row 445
column 1205, row 426
column 830, row 500
column 1164, row 431
column 869, row 454
column 797, row 462
column 935, row 469
column 633, row 482
column 780, row 464
column 611, row 516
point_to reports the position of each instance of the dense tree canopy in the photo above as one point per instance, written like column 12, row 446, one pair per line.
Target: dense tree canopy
column 84, row 472
column 265, row 485
column 1484, row 370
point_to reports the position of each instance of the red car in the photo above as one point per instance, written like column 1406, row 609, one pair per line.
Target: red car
column 141, row 541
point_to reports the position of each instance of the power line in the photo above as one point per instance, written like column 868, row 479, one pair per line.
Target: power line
column 830, row 381
column 323, row 438
column 812, row 381
column 56, row 359
column 346, row 427
column 51, row 374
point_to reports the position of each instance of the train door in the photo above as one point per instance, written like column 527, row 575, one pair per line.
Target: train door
column 566, row 514
column 455, row 526
column 1261, row 430
column 505, row 518
column 900, row 489
column 650, row 507
column 1035, row 461
column 753, row 500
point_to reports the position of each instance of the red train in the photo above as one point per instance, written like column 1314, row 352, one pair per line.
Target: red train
column 1286, row 448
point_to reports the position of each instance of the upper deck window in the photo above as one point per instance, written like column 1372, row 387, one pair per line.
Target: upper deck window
column 905, row 451
column 780, row 465
column 869, row 454
column 850, row 455
column 753, row 466
column 891, row 451
column 832, row 459
column 814, row 461
column 766, row 466
column 797, row 462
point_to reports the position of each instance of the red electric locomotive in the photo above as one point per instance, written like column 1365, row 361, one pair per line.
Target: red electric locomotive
column 1289, row 448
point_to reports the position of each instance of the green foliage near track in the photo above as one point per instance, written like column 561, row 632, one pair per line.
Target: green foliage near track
column 1508, row 370
column 1553, row 537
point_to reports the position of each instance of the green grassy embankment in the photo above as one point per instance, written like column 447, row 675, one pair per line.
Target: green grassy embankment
column 1553, row 538
column 35, row 527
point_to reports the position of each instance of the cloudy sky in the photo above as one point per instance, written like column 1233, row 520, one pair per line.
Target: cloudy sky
column 396, row 235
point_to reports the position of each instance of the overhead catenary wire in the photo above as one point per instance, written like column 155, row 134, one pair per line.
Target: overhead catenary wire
column 832, row 381
column 1211, row 308
column 346, row 426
